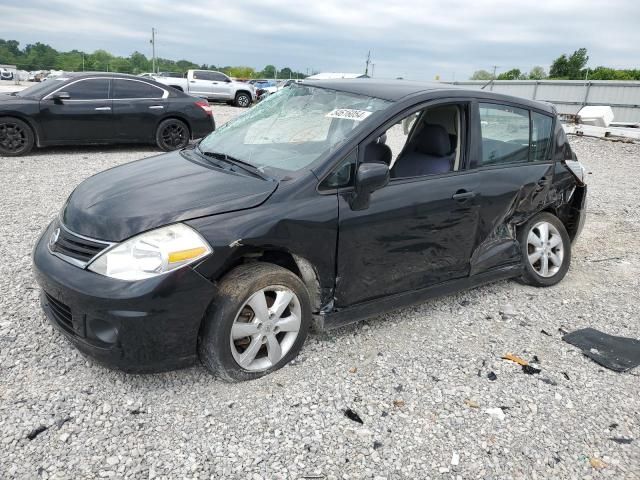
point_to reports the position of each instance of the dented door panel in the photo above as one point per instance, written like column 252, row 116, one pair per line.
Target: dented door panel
column 412, row 235
column 508, row 196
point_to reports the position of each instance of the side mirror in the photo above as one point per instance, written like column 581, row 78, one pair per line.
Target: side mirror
column 228, row 80
column 371, row 176
column 60, row 96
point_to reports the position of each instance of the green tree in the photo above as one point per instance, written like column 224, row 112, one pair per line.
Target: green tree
column 268, row 72
column 537, row 73
column 139, row 63
column 570, row 67
column 241, row 72
column 481, row 75
column 513, row 74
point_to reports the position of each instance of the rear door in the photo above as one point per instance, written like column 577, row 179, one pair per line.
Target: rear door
column 515, row 174
column 86, row 117
column 138, row 107
column 201, row 83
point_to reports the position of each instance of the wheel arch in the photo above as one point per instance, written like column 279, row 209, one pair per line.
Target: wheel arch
column 29, row 121
column 175, row 116
column 298, row 265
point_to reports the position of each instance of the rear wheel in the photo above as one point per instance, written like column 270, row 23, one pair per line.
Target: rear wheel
column 16, row 137
column 257, row 323
column 172, row 134
column 243, row 99
column 546, row 250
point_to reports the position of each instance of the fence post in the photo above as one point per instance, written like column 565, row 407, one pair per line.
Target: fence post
column 535, row 89
column 586, row 93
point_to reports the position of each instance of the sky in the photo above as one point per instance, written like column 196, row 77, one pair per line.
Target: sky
column 413, row 39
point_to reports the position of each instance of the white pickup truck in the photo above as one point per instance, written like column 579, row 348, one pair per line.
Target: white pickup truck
column 212, row 85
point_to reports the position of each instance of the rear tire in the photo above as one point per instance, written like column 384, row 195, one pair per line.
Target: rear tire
column 243, row 100
column 16, row 137
column 546, row 250
column 172, row 134
column 257, row 323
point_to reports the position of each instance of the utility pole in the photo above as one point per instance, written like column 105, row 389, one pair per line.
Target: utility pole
column 495, row 67
column 366, row 68
column 153, row 50
column 83, row 61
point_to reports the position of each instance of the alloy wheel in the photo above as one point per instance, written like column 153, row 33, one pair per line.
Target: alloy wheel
column 545, row 249
column 265, row 328
column 243, row 100
column 174, row 136
column 13, row 138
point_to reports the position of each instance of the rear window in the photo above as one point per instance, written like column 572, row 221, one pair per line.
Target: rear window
column 134, row 89
column 505, row 134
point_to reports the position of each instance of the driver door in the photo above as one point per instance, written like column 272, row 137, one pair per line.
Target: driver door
column 415, row 232
column 85, row 117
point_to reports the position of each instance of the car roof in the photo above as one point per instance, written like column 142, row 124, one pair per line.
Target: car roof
column 396, row 90
column 78, row 75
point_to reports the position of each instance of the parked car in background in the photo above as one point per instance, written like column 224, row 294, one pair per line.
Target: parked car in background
column 100, row 108
column 333, row 201
column 213, row 86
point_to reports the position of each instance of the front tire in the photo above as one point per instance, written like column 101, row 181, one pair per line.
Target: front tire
column 243, row 100
column 546, row 250
column 172, row 134
column 16, row 137
column 257, row 323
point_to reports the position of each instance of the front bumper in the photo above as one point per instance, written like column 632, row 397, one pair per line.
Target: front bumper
column 143, row 326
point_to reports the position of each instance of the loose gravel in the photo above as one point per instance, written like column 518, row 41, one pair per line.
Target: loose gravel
column 418, row 393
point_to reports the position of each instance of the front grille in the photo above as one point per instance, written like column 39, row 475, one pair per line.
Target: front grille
column 60, row 311
column 74, row 246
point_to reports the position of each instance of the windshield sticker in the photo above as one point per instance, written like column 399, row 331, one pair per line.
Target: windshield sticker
column 349, row 114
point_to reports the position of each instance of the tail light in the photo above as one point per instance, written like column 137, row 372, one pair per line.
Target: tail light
column 204, row 105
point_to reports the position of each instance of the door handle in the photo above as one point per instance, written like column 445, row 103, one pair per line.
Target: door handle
column 102, row 109
column 463, row 195
column 155, row 107
column 192, row 81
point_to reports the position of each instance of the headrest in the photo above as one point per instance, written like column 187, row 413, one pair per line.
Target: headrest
column 433, row 140
column 378, row 152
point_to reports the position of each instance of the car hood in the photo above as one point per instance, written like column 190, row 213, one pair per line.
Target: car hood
column 123, row 201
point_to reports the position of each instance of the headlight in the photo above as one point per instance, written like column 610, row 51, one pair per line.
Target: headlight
column 152, row 253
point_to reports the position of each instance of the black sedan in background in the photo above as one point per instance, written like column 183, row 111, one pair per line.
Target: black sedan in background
column 100, row 108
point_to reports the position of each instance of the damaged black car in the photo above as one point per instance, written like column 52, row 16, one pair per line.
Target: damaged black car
column 328, row 202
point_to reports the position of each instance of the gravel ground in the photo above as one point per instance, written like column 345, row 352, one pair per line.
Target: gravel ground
column 417, row 378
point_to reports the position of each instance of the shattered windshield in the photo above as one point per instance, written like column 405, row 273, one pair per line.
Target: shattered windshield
column 292, row 128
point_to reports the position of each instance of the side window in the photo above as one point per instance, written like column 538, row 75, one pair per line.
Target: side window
column 201, row 75
column 91, row 89
column 540, row 136
column 505, row 134
column 343, row 175
column 134, row 89
column 217, row 77
column 427, row 142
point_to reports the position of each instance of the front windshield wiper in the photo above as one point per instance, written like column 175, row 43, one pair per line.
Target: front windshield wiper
column 247, row 167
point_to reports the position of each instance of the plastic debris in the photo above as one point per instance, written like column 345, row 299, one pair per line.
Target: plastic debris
column 530, row 370
column 515, row 358
column 455, row 459
column 492, row 376
column 615, row 353
column 471, row 403
column 621, row 440
column 377, row 445
column 544, row 332
column 353, row 370
column 496, row 413
column 351, row 415
column 597, row 463
column 398, row 403
column 36, row 431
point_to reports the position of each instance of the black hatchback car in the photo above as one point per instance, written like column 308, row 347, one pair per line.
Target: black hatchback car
column 100, row 108
column 328, row 202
